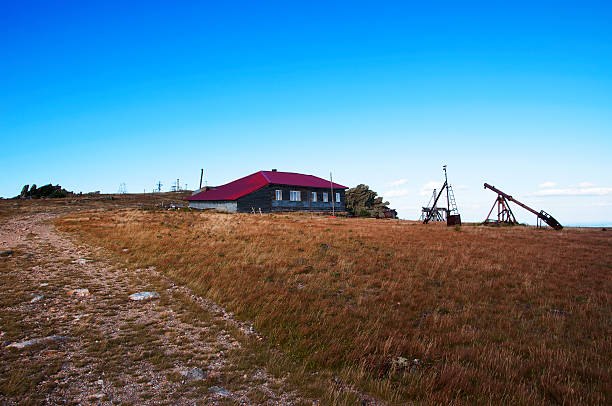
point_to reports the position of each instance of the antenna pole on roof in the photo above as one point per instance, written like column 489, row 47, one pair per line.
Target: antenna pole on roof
column 331, row 185
column 201, row 177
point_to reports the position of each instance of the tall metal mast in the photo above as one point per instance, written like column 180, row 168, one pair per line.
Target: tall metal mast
column 446, row 183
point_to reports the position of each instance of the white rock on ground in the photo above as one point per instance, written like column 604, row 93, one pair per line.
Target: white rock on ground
column 193, row 374
column 219, row 391
column 44, row 340
column 144, row 295
column 79, row 292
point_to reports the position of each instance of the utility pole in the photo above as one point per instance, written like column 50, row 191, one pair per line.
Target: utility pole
column 159, row 185
column 331, row 185
column 201, row 177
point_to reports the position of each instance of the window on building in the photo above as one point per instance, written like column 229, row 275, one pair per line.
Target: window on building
column 279, row 195
column 294, row 196
column 325, row 197
column 338, row 197
column 314, row 196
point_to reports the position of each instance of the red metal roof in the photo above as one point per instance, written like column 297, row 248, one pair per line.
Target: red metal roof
column 248, row 184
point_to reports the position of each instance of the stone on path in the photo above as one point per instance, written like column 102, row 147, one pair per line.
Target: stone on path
column 80, row 261
column 559, row 313
column 193, row 374
column 79, row 292
column 144, row 295
column 44, row 340
column 219, row 391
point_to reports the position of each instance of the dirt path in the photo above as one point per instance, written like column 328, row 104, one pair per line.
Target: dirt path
column 91, row 344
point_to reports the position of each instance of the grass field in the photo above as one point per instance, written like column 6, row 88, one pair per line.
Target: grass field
column 403, row 311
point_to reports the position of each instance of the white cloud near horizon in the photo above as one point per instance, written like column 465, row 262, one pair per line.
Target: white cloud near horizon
column 547, row 185
column 576, row 191
column 428, row 188
column 398, row 182
column 396, row 193
column 586, row 184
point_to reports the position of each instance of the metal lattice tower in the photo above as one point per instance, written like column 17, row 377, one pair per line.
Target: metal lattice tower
column 439, row 213
column 451, row 199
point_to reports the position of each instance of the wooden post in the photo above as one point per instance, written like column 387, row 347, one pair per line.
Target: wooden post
column 201, row 177
column 331, row 185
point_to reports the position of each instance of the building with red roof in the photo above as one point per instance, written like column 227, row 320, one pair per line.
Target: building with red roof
column 272, row 191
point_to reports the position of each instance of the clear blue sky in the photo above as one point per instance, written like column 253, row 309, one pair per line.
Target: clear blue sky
column 95, row 94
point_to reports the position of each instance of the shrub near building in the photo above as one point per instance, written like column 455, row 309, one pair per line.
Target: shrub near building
column 363, row 202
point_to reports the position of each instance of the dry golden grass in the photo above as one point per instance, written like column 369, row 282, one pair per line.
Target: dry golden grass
column 139, row 350
column 506, row 316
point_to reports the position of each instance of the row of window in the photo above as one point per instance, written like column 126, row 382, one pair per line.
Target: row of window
column 296, row 196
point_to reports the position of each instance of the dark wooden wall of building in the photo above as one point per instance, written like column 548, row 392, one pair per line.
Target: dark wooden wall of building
column 264, row 199
column 259, row 199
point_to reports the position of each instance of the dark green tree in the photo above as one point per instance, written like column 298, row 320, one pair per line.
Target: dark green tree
column 364, row 202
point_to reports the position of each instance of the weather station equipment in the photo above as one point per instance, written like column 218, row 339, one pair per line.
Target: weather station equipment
column 435, row 213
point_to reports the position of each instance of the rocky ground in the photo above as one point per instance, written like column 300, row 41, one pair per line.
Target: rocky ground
column 70, row 333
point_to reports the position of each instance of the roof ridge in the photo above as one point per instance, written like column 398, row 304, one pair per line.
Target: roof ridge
column 297, row 173
column 265, row 176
